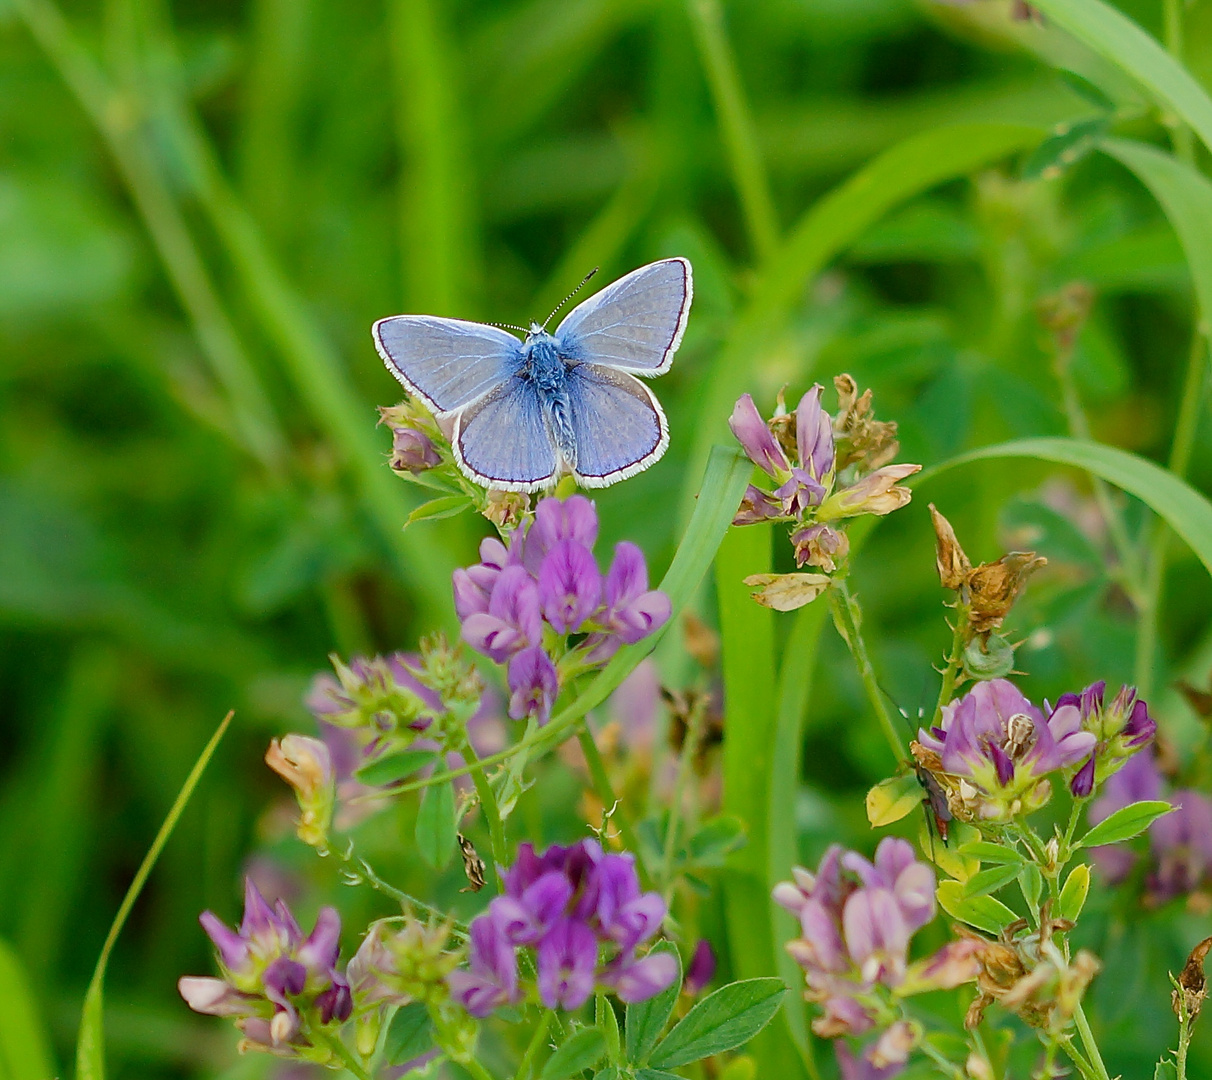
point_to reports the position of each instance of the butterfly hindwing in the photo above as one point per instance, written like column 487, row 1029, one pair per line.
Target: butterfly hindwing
column 501, row 440
column 617, row 425
column 636, row 323
column 448, row 363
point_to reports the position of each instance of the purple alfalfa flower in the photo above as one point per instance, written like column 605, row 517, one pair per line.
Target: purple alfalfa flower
column 584, row 914
column 574, row 518
column 1137, row 781
column 997, row 738
column 1121, row 728
column 631, row 611
column 701, row 969
column 877, row 935
column 896, row 869
column 1181, row 846
column 758, row 505
column 820, row 545
column 412, row 450
column 492, row 980
column 473, row 585
column 566, row 960
column 513, row 620
column 534, row 684
column 877, row 493
column 570, row 586
column 272, row 974
column 756, row 439
column 811, row 476
column 853, row 1066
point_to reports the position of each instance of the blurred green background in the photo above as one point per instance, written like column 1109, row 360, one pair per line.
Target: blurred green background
column 204, row 205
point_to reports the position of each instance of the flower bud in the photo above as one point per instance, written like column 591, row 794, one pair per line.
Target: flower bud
column 305, row 764
column 412, row 451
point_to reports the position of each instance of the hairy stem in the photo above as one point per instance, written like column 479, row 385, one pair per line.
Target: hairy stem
column 690, row 747
column 490, row 809
column 956, row 657
column 1083, row 1029
column 532, row 1048
column 610, row 801
column 848, row 617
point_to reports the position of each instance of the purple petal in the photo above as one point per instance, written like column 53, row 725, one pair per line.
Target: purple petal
column 214, row 997
column 233, row 949
column 755, row 438
column 566, row 960
column 1083, row 780
column 644, row 979
column 701, row 969
column 575, row 518
column 534, row 685
column 319, row 952
column 569, row 586
column 756, row 506
column 814, row 434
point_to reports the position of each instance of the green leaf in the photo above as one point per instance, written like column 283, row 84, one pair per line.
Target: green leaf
column 393, row 767
column 1066, row 146
column 990, row 852
column 715, row 840
column 608, row 1073
column 892, row 799
column 1073, row 895
column 1185, row 510
column 1166, row 1070
column 1186, row 197
column 1125, row 823
column 24, row 1048
column 721, row 1021
column 989, row 881
column 1116, row 37
column 583, row 1051
column 442, row 507
column 605, row 1020
column 1079, row 84
column 826, row 230
column 409, row 1035
column 646, row 1020
column 984, row 912
column 655, row 1074
column 436, row 829
column 1031, row 884
column 90, row 1045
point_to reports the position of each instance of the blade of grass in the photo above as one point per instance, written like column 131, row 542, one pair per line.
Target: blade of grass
column 1183, row 508
column 113, row 115
column 24, row 1047
column 90, row 1046
column 736, row 126
column 437, row 200
column 794, row 688
column 751, row 726
column 1186, row 197
column 833, row 223
column 1116, row 37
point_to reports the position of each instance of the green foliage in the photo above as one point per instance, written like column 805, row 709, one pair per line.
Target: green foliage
column 722, row 1021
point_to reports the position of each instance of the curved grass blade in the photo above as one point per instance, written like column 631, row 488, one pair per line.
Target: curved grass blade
column 24, row 1048
column 90, row 1044
column 828, row 228
column 1116, row 37
column 1186, row 197
column 1184, row 509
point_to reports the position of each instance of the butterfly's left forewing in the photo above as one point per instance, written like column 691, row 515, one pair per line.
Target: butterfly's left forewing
column 636, row 323
column 448, row 363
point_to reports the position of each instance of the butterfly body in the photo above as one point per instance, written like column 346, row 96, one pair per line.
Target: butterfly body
column 525, row 412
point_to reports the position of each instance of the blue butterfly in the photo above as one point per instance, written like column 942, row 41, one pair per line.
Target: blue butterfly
column 524, row 413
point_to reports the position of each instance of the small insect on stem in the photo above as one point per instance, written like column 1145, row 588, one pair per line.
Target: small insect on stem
column 473, row 865
column 934, row 798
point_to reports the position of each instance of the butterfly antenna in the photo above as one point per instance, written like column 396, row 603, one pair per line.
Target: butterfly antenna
column 509, row 326
column 584, row 281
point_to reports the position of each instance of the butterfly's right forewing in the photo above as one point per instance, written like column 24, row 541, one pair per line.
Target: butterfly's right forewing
column 501, row 440
column 448, row 363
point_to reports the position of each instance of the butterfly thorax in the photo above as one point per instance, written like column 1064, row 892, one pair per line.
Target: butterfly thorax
column 542, row 363
column 543, row 366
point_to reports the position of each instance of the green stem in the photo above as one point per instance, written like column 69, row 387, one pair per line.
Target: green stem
column 1184, row 1041
column 690, row 746
column 1075, row 815
column 1185, row 427
column 342, row 1051
column 1083, row 1029
column 1083, row 1066
column 361, row 871
column 532, row 1048
column 848, row 617
column 476, row 1069
column 959, row 641
column 1132, row 578
column 490, row 808
column 949, row 1067
column 610, row 801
